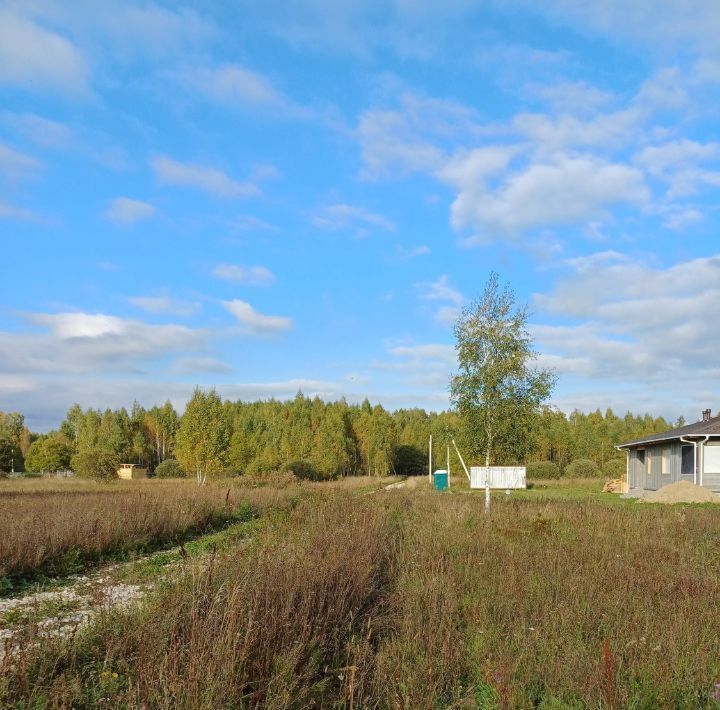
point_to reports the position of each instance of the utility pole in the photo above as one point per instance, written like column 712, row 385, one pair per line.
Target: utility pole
column 430, row 461
column 448, row 464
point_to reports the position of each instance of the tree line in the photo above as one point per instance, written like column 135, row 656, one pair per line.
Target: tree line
column 312, row 438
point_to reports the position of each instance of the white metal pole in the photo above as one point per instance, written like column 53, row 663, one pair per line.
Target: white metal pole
column 448, row 464
column 430, row 461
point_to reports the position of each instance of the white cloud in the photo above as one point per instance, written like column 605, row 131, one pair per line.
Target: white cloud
column 256, row 322
column 350, row 218
column 248, row 275
column 15, row 165
column 676, row 24
column 412, row 136
column 678, row 163
column 87, row 343
column 569, row 190
column 123, row 31
column 441, row 290
column 630, row 321
column 212, row 180
column 420, row 250
column 165, row 304
column 35, row 58
column 8, row 211
column 197, row 365
column 236, row 85
column 123, row 210
column 41, row 131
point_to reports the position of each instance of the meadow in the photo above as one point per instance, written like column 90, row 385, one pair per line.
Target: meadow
column 354, row 596
column 55, row 527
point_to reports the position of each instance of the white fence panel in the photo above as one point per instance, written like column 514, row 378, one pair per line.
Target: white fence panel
column 505, row 477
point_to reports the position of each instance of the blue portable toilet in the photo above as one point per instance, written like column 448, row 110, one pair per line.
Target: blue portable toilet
column 440, row 480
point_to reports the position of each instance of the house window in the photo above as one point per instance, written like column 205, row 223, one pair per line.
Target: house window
column 687, row 465
column 665, row 466
column 649, row 459
column 641, row 456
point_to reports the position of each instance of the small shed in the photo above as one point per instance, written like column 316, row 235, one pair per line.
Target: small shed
column 132, row 471
column 688, row 453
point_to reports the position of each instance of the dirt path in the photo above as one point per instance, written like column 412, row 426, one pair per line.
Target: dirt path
column 62, row 611
column 79, row 599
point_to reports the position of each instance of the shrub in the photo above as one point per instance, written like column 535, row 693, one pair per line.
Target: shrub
column 542, row 469
column 170, row 468
column 615, row 468
column 303, row 469
column 582, row 468
column 97, row 464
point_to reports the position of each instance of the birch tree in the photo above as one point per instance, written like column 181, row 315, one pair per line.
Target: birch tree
column 497, row 392
column 203, row 437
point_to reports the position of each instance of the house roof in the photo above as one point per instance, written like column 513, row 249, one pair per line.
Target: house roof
column 710, row 427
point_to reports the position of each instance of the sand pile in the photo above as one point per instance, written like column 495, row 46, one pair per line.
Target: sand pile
column 682, row 492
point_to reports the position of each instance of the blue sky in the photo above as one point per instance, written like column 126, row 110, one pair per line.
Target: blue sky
column 266, row 197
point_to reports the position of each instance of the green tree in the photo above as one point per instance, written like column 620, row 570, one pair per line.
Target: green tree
column 203, row 436
column 496, row 391
column 49, row 453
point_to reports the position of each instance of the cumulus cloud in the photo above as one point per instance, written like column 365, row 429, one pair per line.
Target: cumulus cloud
column 248, row 275
column 566, row 191
column 32, row 57
column 350, row 218
column 208, row 179
column 633, row 322
column 255, row 322
column 123, row 210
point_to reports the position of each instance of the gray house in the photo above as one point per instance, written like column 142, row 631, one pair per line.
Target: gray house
column 689, row 453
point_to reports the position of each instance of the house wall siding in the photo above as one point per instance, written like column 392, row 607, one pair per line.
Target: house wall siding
column 638, row 475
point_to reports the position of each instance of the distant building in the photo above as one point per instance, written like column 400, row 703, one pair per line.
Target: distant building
column 132, row 471
column 689, row 453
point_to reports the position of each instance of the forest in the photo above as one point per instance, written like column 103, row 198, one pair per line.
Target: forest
column 312, row 438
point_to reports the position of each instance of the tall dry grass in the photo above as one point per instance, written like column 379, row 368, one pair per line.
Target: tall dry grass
column 57, row 527
column 400, row 600
column 266, row 626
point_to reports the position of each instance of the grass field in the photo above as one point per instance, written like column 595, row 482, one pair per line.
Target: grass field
column 52, row 528
column 358, row 597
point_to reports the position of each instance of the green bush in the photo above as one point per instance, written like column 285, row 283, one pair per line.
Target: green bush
column 542, row 469
column 170, row 468
column 98, row 464
column 582, row 468
column 615, row 468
